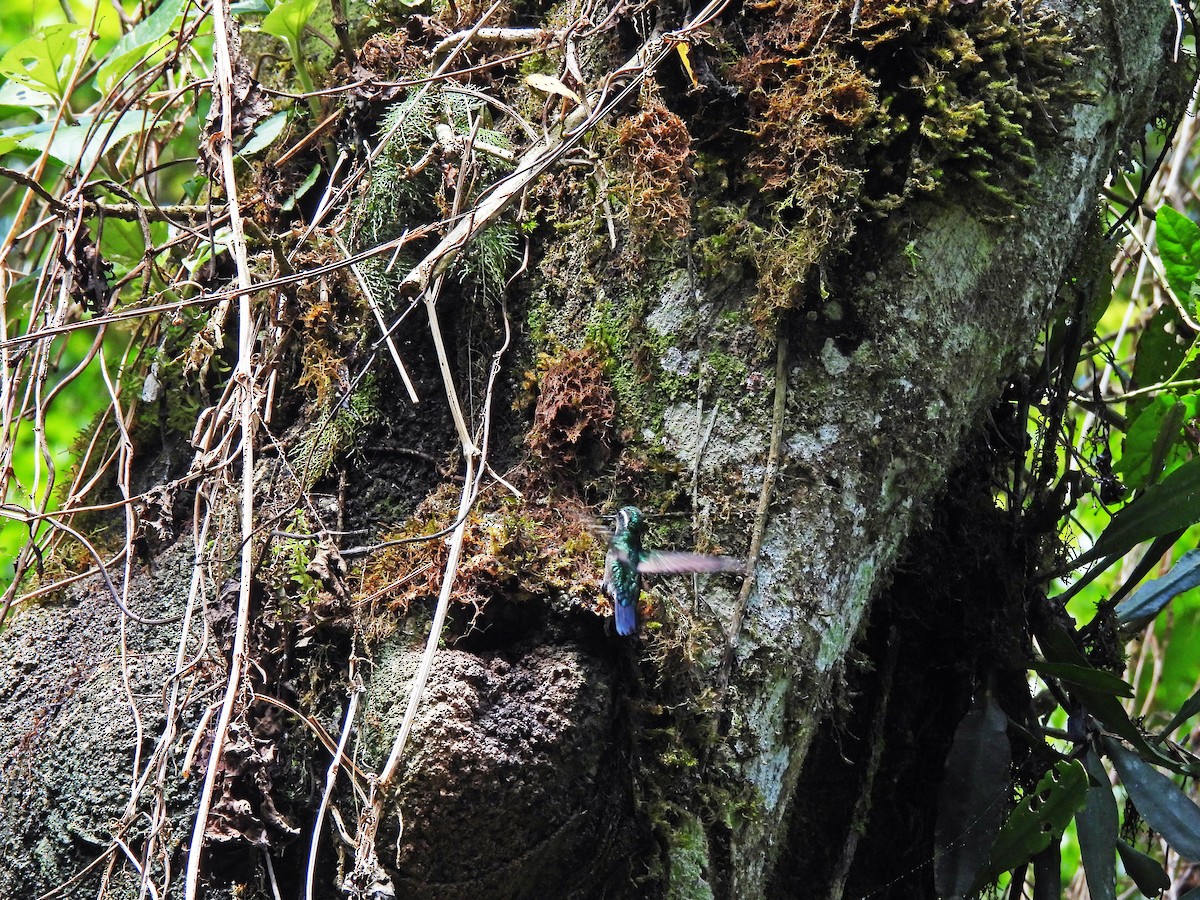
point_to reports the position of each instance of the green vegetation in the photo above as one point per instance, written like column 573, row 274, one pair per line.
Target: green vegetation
column 126, row 383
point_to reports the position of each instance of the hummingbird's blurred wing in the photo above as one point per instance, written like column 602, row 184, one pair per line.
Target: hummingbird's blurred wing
column 674, row 563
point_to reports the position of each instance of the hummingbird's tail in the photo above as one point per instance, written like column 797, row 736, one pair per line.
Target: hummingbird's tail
column 626, row 614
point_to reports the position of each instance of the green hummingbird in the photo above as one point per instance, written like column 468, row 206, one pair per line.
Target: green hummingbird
column 626, row 561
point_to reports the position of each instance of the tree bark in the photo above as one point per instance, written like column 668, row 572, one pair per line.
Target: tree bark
column 548, row 757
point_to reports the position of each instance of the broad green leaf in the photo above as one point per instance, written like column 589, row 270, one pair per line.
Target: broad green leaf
column 1179, row 249
column 44, row 62
column 135, row 44
column 1147, row 873
column 288, row 18
column 265, row 133
column 81, row 145
column 1096, row 826
column 10, row 138
column 1040, row 817
column 122, row 244
column 22, row 98
column 971, row 802
column 1154, row 440
column 1084, row 676
column 1161, row 350
column 1153, row 596
column 1159, row 801
column 1172, row 504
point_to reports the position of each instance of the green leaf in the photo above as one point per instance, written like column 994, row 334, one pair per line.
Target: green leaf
column 81, row 145
column 20, row 98
column 45, row 61
column 1168, row 506
column 1155, row 439
column 1153, row 596
column 1147, row 873
column 1160, row 350
column 1165, row 808
column 134, row 45
column 1040, row 817
column 1096, row 825
column 1150, row 560
column 122, row 244
column 194, row 187
column 1058, row 647
column 971, row 800
column 265, row 133
column 304, row 188
column 1085, row 676
column 1190, row 707
column 288, row 18
column 10, row 138
column 1179, row 249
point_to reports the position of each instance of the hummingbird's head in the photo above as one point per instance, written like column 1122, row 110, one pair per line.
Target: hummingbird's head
column 629, row 519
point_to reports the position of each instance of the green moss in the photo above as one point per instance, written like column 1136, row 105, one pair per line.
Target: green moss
column 689, row 862
column 910, row 99
column 412, row 184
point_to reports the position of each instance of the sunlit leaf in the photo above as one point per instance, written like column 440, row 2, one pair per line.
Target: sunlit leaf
column 548, row 84
column 971, row 801
column 1147, row 873
column 265, row 133
column 1179, row 249
column 21, row 97
column 1086, row 677
column 1159, row 800
column 1172, row 504
column 288, row 18
column 81, row 145
column 10, row 138
column 1155, row 438
column 134, row 45
column 684, row 57
column 45, row 61
column 1151, row 598
column 1096, row 825
column 1040, row 817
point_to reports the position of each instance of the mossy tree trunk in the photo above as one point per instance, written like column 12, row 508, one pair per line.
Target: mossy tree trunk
column 781, row 302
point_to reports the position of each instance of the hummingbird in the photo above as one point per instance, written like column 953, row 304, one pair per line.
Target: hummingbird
column 626, row 562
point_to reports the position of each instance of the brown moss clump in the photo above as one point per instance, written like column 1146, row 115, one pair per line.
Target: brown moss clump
column 393, row 55
column 893, row 101
column 512, row 550
column 656, row 147
column 574, row 426
column 805, row 107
